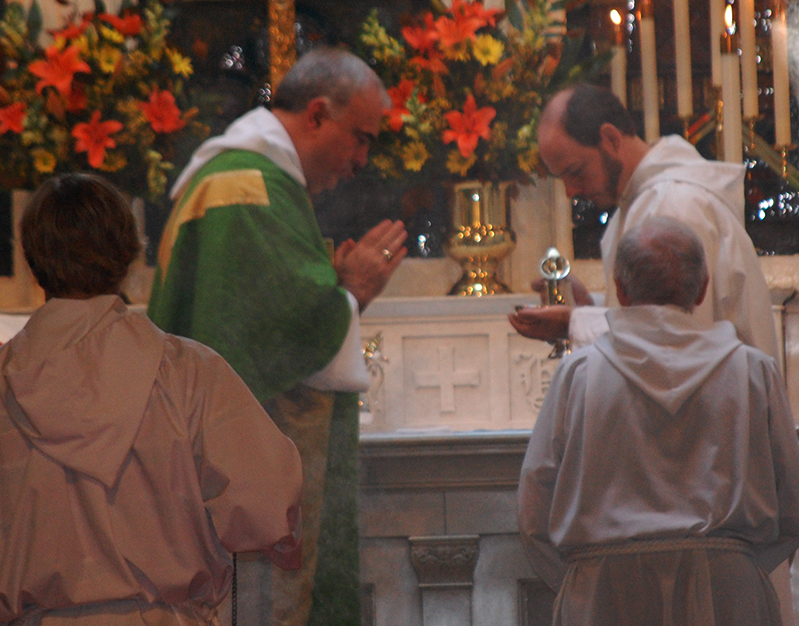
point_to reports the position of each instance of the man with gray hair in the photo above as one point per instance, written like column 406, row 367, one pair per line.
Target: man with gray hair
column 661, row 482
column 243, row 268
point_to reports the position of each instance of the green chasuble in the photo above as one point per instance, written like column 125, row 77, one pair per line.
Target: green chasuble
column 243, row 268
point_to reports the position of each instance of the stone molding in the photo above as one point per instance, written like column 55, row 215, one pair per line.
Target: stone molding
column 445, row 562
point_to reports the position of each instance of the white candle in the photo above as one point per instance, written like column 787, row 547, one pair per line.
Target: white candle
column 618, row 62
column 649, row 73
column 746, row 28
column 682, row 48
column 731, row 94
column 716, row 29
column 782, row 93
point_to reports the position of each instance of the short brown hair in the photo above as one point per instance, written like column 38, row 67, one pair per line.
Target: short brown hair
column 588, row 108
column 79, row 236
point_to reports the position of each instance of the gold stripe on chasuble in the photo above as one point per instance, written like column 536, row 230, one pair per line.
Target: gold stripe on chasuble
column 222, row 189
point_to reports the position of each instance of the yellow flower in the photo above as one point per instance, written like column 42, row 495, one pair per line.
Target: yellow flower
column 498, row 136
column 81, row 43
column 112, row 35
column 114, row 161
column 457, row 52
column 487, row 50
column 414, row 156
column 458, row 165
column 528, row 160
column 181, row 65
column 60, row 135
column 156, row 171
column 108, row 57
column 44, row 161
column 385, row 164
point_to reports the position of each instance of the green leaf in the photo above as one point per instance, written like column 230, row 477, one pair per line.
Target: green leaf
column 514, row 14
column 438, row 7
column 34, row 22
column 99, row 7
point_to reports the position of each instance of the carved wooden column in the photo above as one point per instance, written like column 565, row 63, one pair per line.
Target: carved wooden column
column 445, row 566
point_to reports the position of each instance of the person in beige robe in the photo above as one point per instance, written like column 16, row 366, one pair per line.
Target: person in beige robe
column 132, row 462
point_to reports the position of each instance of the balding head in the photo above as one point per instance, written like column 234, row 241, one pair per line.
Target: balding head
column 583, row 109
column 660, row 261
column 587, row 139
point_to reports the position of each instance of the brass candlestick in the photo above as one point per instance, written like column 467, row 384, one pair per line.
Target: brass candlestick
column 750, row 125
column 783, row 151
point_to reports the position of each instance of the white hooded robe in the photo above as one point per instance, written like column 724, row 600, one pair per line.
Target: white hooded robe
column 665, row 428
column 674, row 180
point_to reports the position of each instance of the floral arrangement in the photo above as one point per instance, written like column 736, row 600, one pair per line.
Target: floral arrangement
column 106, row 94
column 467, row 87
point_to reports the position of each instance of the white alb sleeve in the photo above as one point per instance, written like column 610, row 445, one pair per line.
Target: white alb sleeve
column 347, row 371
column 586, row 325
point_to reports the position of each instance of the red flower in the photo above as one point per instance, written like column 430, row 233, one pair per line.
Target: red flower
column 129, row 25
column 476, row 11
column 162, row 113
column 452, row 32
column 468, row 127
column 70, row 32
column 424, row 36
column 466, row 19
column 76, row 100
column 59, row 69
column 399, row 97
column 94, row 138
column 434, row 63
column 11, row 118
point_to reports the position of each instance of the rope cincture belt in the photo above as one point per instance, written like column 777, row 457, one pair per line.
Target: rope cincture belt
column 727, row 544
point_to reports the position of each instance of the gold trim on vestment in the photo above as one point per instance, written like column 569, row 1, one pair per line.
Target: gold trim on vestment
column 222, row 189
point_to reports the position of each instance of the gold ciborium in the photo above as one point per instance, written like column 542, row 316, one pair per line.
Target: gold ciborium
column 480, row 237
column 554, row 268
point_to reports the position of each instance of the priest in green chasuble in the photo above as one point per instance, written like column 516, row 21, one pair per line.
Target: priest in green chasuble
column 243, row 268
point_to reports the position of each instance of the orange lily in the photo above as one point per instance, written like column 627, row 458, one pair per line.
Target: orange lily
column 59, row 69
column 69, row 32
column 76, row 100
column 469, row 126
column 399, row 96
column 434, row 63
column 453, row 32
column 476, row 11
column 11, row 117
column 95, row 137
column 162, row 112
column 422, row 37
column 129, row 25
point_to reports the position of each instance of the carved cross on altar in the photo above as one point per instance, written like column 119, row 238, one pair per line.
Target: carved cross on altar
column 447, row 378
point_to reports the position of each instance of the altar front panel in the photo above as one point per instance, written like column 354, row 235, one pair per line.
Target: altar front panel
column 452, row 364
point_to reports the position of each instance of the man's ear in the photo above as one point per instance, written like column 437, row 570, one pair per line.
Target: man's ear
column 316, row 112
column 610, row 138
column 621, row 293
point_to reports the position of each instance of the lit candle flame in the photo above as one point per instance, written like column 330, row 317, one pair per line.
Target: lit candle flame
column 728, row 19
column 615, row 17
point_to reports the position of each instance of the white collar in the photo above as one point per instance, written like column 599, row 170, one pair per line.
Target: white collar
column 259, row 131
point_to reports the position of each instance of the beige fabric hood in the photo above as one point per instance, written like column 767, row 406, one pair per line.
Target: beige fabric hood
column 80, row 412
